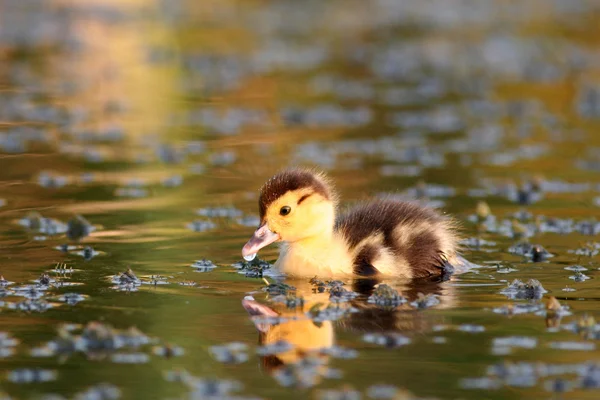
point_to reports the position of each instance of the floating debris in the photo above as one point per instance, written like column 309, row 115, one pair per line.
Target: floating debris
column 31, row 291
column 71, row 298
column 573, row 346
column 65, row 248
column 579, row 277
column 7, row 341
column 278, row 288
column 483, row 383
column 389, row 392
column 249, row 220
column 63, row 269
column 339, row 352
column 278, row 347
column 424, row 301
column 332, row 312
column 585, row 326
column 52, row 180
column 172, row 181
column 132, row 192
column 386, row 296
column 232, row 353
column 469, row 328
column 36, row 375
column 533, row 289
column 388, row 339
column 477, row 243
column 306, row 373
column 290, row 300
column 254, row 268
column 154, row 280
column 30, row 305
column 505, row 269
column 96, row 340
column 130, row 358
column 201, row 226
column 168, row 351
column 203, row 388
column 590, row 249
column 345, row 393
column 589, row 378
column 338, row 294
column 4, row 283
column 576, row 268
column 559, row 385
column 7, row 345
column 535, row 253
column 35, row 222
column 102, row 391
column 323, row 286
column 525, row 374
column 589, row 227
column 518, row 308
column 504, row 345
column 126, row 281
column 203, row 265
column 4, row 293
column 44, row 280
column 219, row 212
column 78, row 228
column 87, row 253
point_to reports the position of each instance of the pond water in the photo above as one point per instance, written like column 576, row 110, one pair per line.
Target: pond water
column 136, row 134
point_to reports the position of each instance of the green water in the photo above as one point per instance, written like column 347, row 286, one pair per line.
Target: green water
column 222, row 94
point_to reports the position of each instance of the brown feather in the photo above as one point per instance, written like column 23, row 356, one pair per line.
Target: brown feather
column 419, row 242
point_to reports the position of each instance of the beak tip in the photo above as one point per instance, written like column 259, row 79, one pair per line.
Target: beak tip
column 262, row 237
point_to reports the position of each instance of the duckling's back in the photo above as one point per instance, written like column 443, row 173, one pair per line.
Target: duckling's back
column 398, row 238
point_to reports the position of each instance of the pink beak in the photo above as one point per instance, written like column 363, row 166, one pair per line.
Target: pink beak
column 262, row 237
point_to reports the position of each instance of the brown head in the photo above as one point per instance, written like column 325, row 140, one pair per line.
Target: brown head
column 294, row 205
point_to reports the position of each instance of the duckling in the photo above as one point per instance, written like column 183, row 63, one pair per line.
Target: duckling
column 298, row 207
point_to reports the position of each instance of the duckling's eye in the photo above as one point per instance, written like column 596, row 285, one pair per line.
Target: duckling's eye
column 285, row 210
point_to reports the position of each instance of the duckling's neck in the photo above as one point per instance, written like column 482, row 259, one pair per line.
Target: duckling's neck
column 324, row 255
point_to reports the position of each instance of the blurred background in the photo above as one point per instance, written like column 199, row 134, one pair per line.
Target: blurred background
column 159, row 120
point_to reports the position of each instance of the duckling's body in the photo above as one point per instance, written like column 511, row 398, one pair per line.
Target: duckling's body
column 298, row 207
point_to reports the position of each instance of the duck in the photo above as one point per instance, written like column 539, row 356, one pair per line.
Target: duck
column 298, row 208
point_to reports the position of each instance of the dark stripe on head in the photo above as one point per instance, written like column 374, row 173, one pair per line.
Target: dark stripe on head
column 306, row 196
column 285, row 181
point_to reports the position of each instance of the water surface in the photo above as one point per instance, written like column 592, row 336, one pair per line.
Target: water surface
column 159, row 121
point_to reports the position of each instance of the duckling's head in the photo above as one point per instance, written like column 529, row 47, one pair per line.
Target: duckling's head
column 294, row 205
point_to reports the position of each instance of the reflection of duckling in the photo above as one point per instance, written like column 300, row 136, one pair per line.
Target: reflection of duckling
column 298, row 208
column 310, row 337
column 302, row 334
